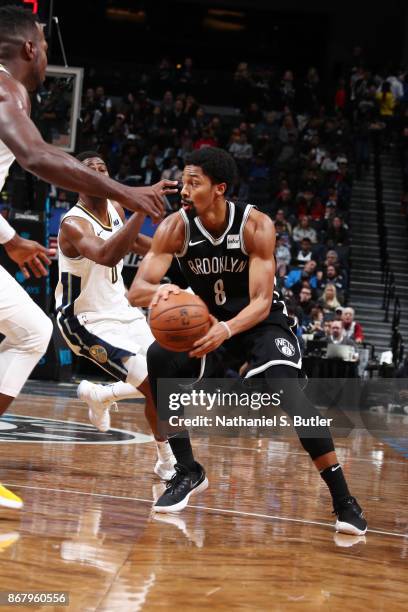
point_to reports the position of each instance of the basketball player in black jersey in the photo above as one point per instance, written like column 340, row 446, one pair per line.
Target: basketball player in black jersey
column 226, row 254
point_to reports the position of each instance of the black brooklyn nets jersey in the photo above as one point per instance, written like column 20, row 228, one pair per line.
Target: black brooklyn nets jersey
column 217, row 268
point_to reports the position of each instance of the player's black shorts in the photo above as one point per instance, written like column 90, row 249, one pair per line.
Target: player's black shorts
column 259, row 348
column 264, row 346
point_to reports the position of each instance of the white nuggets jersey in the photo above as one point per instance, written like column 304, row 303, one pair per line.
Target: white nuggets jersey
column 87, row 290
column 6, row 156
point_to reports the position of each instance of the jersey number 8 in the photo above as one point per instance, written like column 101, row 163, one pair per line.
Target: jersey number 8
column 220, row 297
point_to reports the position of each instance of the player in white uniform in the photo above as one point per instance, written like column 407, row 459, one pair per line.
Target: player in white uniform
column 94, row 314
column 23, row 60
column 26, row 328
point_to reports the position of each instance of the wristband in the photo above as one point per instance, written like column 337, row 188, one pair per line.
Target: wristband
column 6, row 231
column 226, row 327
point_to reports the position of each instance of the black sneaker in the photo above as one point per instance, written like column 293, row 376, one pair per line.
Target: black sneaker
column 178, row 490
column 350, row 518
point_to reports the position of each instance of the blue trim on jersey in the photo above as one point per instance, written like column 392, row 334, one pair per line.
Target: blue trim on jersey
column 80, row 337
column 71, row 289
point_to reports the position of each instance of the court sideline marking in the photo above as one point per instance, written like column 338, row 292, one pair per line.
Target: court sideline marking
column 208, row 508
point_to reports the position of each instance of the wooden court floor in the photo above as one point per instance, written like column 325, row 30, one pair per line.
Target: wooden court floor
column 260, row 538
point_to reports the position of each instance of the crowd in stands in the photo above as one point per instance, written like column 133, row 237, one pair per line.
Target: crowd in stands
column 294, row 150
column 380, row 108
column 293, row 155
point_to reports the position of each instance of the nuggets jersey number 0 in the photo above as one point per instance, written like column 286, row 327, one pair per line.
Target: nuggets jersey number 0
column 89, row 290
column 217, row 269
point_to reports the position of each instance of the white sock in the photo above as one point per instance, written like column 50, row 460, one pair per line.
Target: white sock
column 116, row 391
column 164, row 451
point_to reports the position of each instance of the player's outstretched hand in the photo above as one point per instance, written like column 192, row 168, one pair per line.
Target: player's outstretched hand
column 165, row 187
column 150, row 199
column 163, row 293
column 29, row 255
column 217, row 334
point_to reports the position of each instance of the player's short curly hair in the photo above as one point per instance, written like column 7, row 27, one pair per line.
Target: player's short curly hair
column 217, row 164
column 89, row 155
column 16, row 22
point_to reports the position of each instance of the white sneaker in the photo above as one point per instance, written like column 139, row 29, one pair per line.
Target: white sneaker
column 98, row 411
column 165, row 469
column 166, row 461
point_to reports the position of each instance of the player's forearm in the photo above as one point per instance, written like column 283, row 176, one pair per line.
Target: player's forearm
column 142, row 292
column 142, row 245
column 256, row 311
column 114, row 249
column 55, row 166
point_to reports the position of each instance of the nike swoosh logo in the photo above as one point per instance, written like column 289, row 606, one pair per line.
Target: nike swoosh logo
column 194, row 243
column 335, row 468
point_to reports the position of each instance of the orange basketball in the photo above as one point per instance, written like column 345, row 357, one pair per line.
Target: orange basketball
column 179, row 321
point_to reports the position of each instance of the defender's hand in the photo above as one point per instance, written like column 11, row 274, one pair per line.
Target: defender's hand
column 150, row 199
column 165, row 187
column 217, row 334
column 29, row 255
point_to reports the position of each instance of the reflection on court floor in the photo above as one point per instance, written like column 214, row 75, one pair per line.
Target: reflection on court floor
column 260, row 538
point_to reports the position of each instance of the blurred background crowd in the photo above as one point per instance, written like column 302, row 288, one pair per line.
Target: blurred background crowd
column 297, row 152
